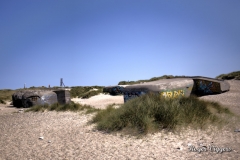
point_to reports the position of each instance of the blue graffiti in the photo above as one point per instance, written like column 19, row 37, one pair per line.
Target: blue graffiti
column 129, row 95
column 117, row 90
column 203, row 87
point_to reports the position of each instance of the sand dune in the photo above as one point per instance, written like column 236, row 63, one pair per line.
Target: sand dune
column 67, row 135
column 100, row 101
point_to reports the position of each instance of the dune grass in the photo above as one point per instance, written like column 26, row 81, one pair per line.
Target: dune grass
column 85, row 92
column 150, row 113
column 232, row 75
column 75, row 107
column 2, row 101
column 6, row 95
column 149, row 80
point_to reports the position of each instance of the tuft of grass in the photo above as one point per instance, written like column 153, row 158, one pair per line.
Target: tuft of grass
column 2, row 101
column 219, row 108
column 6, row 95
column 75, row 107
column 150, row 113
column 103, row 113
column 38, row 108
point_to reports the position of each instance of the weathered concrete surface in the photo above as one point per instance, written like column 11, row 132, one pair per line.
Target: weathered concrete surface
column 207, row 86
column 164, row 84
column 28, row 98
column 63, row 96
column 172, row 88
column 17, row 98
column 225, row 86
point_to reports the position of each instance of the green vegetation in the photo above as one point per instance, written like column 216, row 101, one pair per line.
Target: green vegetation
column 149, row 80
column 33, row 87
column 75, row 107
column 6, row 95
column 58, row 87
column 40, row 88
column 232, row 75
column 150, row 113
column 2, row 101
column 85, row 92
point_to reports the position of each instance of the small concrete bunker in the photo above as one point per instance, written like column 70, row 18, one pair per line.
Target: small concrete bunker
column 207, row 86
column 28, row 98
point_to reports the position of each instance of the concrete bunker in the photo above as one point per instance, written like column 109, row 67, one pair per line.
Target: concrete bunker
column 172, row 88
column 28, row 98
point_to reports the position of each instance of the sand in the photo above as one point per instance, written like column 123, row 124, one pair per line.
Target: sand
column 67, row 135
column 100, row 101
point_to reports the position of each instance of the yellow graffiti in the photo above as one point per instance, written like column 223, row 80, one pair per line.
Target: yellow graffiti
column 172, row 94
column 175, row 94
column 181, row 92
column 169, row 94
column 164, row 94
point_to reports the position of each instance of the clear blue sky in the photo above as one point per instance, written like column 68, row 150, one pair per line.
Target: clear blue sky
column 102, row 42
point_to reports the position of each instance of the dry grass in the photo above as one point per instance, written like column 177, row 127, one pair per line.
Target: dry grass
column 75, row 107
column 150, row 113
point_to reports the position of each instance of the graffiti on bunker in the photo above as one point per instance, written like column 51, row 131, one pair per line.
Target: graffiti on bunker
column 206, row 87
column 172, row 94
column 30, row 98
column 196, row 85
column 129, row 95
column 117, row 90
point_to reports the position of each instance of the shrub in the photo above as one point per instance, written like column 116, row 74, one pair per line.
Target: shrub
column 150, row 113
column 149, row 80
column 65, row 107
column 2, row 101
column 6, row 94
column 122, row 83
column 232, row 75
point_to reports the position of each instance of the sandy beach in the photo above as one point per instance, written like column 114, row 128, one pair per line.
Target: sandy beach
column 69, row 136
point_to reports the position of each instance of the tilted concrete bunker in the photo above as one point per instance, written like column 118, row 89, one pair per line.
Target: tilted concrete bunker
column 207, row 86
column 28, row 98
column 172, row 88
